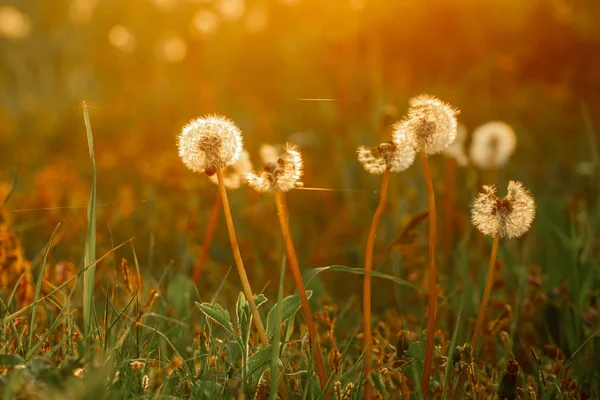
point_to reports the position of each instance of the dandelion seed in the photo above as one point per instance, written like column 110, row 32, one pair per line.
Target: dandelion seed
column 209, row 143
column 430, row 124
column 390, row 156
column 492, row 145
column 456, row 149
column 281, row 175
column 511, row 216
column 234, row 175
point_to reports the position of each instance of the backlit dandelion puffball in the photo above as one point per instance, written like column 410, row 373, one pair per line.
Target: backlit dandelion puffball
column 456, row 150
column 511, row 216
column 430, row 124
column 492, row 145
column 280, row 175
column 391, row 156
column 209, row 143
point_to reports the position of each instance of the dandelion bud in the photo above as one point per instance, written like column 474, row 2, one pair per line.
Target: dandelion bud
column 430, row 124
column 511, row 216
column 209, row 143
column 281, row 175
column 456, row 149
column 235, row 174
column 492, row 145
column 393, row 157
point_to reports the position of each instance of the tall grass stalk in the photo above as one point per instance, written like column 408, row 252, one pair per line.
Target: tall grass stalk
column 239, row 263
column 295, row 270
column 90, row 242
column 368, row 340
column 432, row 278
column 208, row 236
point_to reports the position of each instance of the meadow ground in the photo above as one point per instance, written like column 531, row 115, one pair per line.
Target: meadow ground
column 117, row 274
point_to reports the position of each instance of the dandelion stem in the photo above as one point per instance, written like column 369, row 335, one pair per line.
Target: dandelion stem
column 368, row 341
column 295, row 270
column 486, row 295
column 208, row 236
column 239, row 263
column 432, row 278
column 480, row 317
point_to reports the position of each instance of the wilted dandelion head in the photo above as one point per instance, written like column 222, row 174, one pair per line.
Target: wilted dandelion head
column 492, row 145
column 456, row 150
column 235, row 174
column 209, row 143
column 430, row 124
column 282, row 174
column 511, row 216
column 390, row 156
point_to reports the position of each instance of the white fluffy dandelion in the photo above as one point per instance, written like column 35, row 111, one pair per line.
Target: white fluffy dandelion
column 209, row 143
column 430, row 124
column 390, row 156
column 511, row 216
column 280, row 175
column 492, row 145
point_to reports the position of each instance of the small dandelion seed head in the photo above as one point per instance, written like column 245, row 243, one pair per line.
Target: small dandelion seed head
column 281, row 175
column 511, row 216
column 492, row 145
column 235, row 175
column 430, row 124
column 390, row 156
column 209, row 143
column 456, row 150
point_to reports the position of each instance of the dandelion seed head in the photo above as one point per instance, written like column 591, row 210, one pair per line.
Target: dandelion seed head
column 511, row 216
column 430, row 124
column 209, row 143
column 235, row 175
column 492, row 145
column 391, row 156
column 281, row 175
column 456, row 150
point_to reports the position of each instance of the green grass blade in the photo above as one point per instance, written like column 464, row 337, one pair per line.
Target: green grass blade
column 277, row 336
column 90, row 242
column 38, row 287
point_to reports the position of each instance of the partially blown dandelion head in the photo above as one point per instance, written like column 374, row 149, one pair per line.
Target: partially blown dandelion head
column 280, row 175
column 235, row 174
column 492, row 145
column 430, row 124
column 511, row 216
column 456, row 150
column 390, row 156
column 209, row 143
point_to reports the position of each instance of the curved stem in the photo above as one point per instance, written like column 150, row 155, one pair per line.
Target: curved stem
column 295, row 270
column 208, row 236
column 486, row 295
column 489, row 281
column 239, row 263
column 368, row 340
column 432, row 278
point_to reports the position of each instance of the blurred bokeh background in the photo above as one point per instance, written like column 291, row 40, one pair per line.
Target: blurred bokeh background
column 328, row 75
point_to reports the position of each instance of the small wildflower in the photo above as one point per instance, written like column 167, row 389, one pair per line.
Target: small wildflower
column 430, row 125
column 281, row 175
column 456, row 149
column 209, row 143
column 492, row 145
column 234, row 175
column 390, row 156
column 511, row 216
